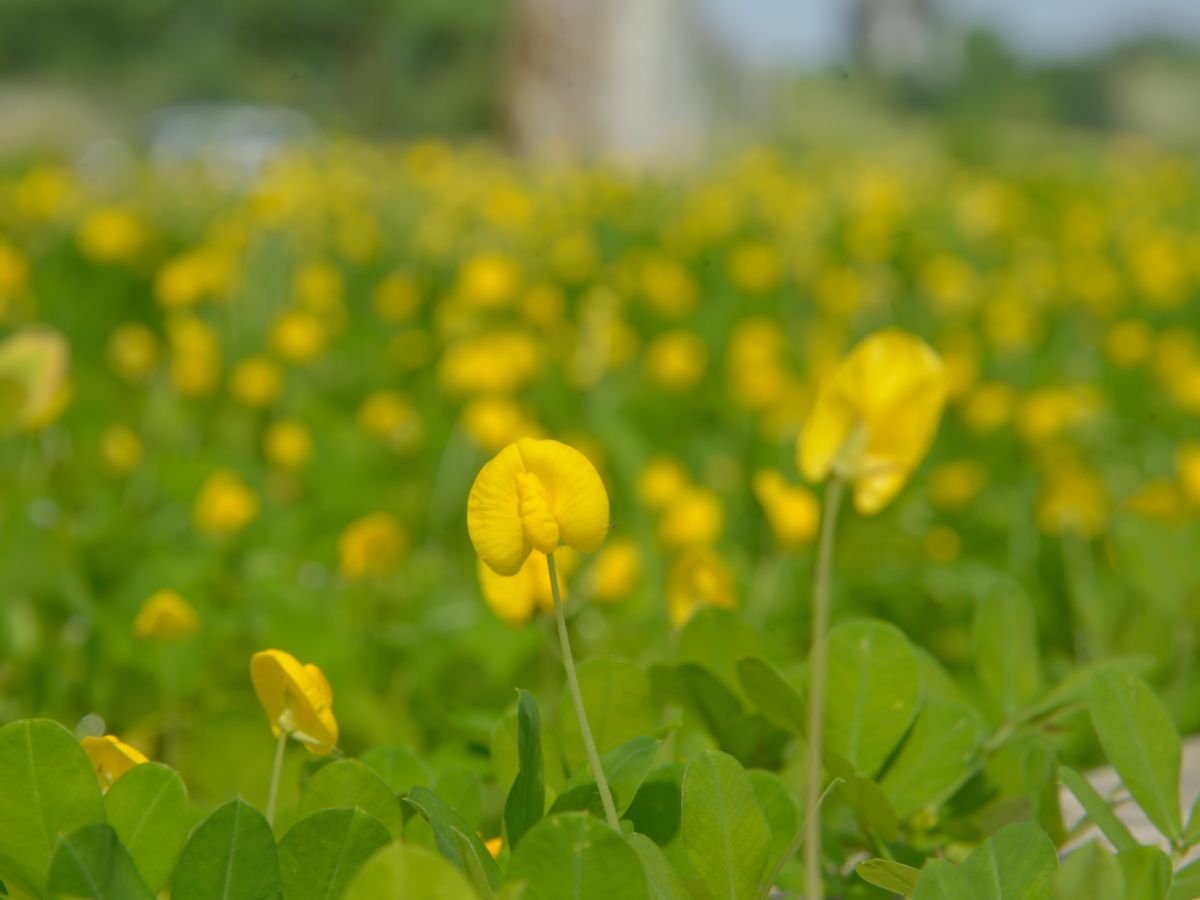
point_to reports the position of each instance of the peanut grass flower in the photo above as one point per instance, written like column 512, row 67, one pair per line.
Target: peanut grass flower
column 111, row 758
column 535, row 495
column 371, row 546
column 166, row 616
column 297, row 699
column 516, row 598
column 875, row 417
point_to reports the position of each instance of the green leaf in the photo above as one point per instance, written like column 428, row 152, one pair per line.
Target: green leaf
column 747, row 736
column 624, row 768
column 1006, row 651
column 473, row 865
column 348, row 783
column 1097, row 809
column 462, row 790
column 716, row 639
column 1141, row 742
column 404, row 872
column 399, row 767
column 147, row 806
column 941, row 880
column 444, row 822
column 1018, row 862
column 1146, row 872
column 771, row 694
column 934, row 760
column 866, row 799
column 231, row 854
column 778, row 808
column 575, row 855
column 320, row 854
column 90, row 862
column 1186, row 883
column 48, row 788
column 663, row 881
column 619, row 704
column 1090, row 873
column 527, row 799
column 656, row 806
column 889, row 875
column 725, row 834
column 873, row 687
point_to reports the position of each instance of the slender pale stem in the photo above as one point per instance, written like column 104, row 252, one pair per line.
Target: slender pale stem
column 276, row 773
column 610, row 809
column 795, row 845
column 822, row 595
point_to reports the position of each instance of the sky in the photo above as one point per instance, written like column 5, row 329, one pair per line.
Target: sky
column 811, row 32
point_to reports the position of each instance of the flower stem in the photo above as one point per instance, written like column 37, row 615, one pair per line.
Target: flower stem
column 822, row 591
column 276, row 772
column 610, row 809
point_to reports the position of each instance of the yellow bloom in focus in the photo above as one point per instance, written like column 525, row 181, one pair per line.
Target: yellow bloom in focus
column 133, row 352
column 1187, row 465
column 617, row 571
column 120, row 448
column 515, row 598
column 33, row 378
column 372, row 545
column 792, row 511
column 955, row 484
column 166, row 615
column 298, row 336
column 694, row 516
column 297, row 699
column 111, row 758
column 225, row 504
column 676, row 360
column 1072, row 499
column 535, row 495
column 662, row 479
column 111, row 234
column 875, row 417
column 256, row 382
column 287, row 444
column 698, row 578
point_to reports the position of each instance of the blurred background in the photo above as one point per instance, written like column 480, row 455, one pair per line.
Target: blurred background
column 633, row 79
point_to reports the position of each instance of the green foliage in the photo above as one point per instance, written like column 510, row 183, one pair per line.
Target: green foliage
column 231, row 854
column 320, row 854
column 619, row 704
column 400, row 872
column 90, row 862
column 147, row 807
column 576, row 855
column 527, row 798
column 349, row 783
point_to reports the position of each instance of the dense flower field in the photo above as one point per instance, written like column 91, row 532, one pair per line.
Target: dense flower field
column 244, row 415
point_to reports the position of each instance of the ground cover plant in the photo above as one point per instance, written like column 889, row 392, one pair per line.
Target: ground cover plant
column 406, row 522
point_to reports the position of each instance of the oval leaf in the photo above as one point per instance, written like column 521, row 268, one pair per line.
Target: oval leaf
column 231, row 854
column 576, row 855
column 320, row 854
column 90, row 862
column 1006, row 651
column 1018, row 862
column 147, row 806
column 348, row 783
column 619, row 704
column 402, row 872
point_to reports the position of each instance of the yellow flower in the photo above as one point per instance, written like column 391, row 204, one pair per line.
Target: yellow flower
column 955, row 484
column 389, row 417
column 185, row 280
column 33, row 378
column 371, row 545
column 1047, row 412
column 111, row 758
column 318, row 288
column 298, row 336
column 698, row 578
column 166, row 615
column 535, row 495
column 989, row 406
column 499, row 362
column 1159, row 499
column 196, row 362
column 256, row 382
column 14, row 272
column 1187, row 465
column 662, row 479
column 792, row 511
column 111, row 234
column 515, row 598
column 225, row 504
column 297, row 699
column 676, row 360
column 1072, row 499
column 120, row 448
column 496, row 422
column 397, row 298
column 694, row 516
column 489, row 280
column 287, row 444
column 756, row 267
column 875, row 417
column 133, row 352
column 1129, row 343
column 618, row 570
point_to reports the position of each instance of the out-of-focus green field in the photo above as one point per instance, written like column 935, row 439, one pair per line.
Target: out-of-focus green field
column 280, row 390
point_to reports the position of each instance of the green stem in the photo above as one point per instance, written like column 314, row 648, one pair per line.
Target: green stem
column 822, row 597
column 276, row 772
column 610, row 809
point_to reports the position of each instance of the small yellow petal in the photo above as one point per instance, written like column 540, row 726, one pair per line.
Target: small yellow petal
column 493, row 513
column 577, row 496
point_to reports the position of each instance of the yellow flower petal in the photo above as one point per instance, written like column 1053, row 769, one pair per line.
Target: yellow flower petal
column 111, row 758
column 493, row 513
column 297, row 699
column 577, row 496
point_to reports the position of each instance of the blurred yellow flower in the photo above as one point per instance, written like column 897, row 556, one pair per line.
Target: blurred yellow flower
column 755, row 267
column 989, row 406
column 1129, row 343
column 371, row 546
column 535, row 495
column 256, row 382
column 953, row 485
column 792, row 511
column 296, row 698
column 1187, row 465
column 1047, row 412
column 298, row 336
column 111, row 758
column 120, row 448
column 14, row 272
column 196, row 356
column 499, row 362
column 167, row 616
column 389, row 417
column 617, row 571
column 43, row 191
column 676, row 360
column 111, row 234
column 698, row 578
column 287, row 444
column 186, row 279
column 875, row 417
column 661, row 480
column 397, row 298
column 1072, row 499
column 33, row 378
column 496, row 422
column 225, row 504
column 668, row 286
column 318, row 288
column 489, row 280
column 1160, row 499
column 133, row 352
column 695, row 515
